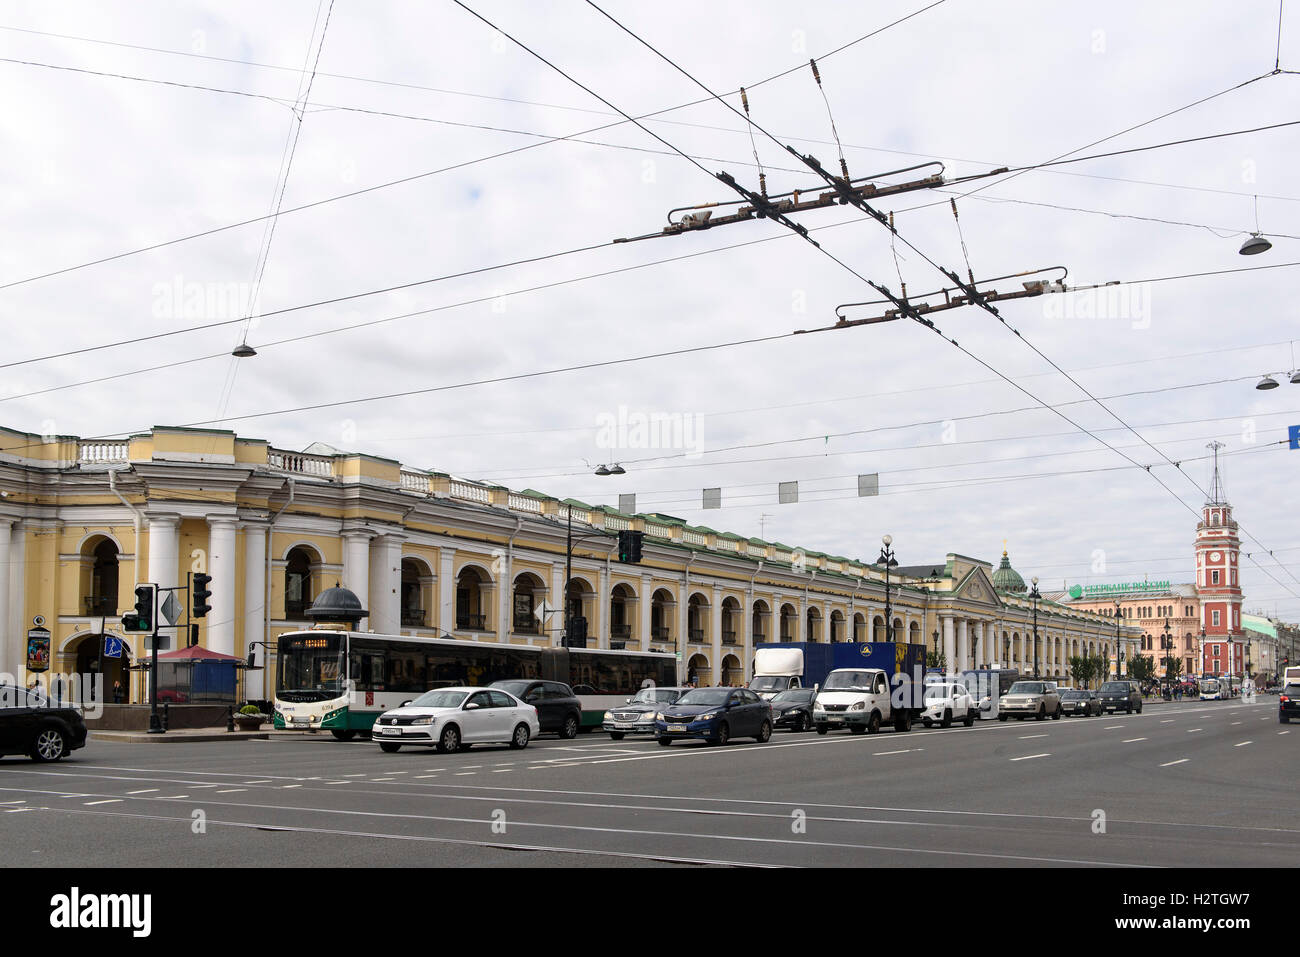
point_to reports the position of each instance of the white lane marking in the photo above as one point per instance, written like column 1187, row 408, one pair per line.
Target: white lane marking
column 399, row 772
column 877, row 754
column 284, row 786
column 164, row 797
column 1030, row 757
column 1167, row 721
column 1191, row 730
column 420, row 776
column 1235, row 722
column 262, row 781
column 1131, row 740
column 233, row 791
column 603, row 830
column 197, row 786
column 1284, row 732
column 357, row 775
column 105, row 801
column 1026, row 737
column 461, row 774
column 1112, row 727
column 501, row 771
column 144, row 791
column 1169, row 764
column 1243, row 744
column 372, row 781
column 18, row 810
column 12, row 802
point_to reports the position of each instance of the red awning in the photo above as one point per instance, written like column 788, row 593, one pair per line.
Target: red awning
column 196, row 653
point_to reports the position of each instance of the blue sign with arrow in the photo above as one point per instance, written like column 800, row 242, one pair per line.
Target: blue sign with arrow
column 112, row 646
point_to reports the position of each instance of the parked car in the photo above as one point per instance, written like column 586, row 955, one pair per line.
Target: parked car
column 455, row 719
column 717, row 715
column 1288, row 704
column 33, row 725
column 1120, row 696
column 638, row 715
column 946, row 701
column 1080, row 702
column 558, row 708
column 1030, row 699
column 793, row 709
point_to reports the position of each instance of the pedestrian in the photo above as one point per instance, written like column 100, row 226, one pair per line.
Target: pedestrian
column 117, row 692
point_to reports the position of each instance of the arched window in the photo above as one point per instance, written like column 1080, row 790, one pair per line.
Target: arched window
column 298, row 589
column 102, row 599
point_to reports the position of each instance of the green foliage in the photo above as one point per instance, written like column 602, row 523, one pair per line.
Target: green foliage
column 250, row 709
column 935, row 659
column 1082, row 669
column 1173, row 668
column 1141, row 668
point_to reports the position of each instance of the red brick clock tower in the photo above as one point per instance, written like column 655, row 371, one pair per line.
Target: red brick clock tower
column 1218, row 582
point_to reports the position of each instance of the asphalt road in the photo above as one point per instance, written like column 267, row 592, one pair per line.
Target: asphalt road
column 1191, row 784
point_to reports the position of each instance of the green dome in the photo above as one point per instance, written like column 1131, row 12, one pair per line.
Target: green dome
column 1007, row 578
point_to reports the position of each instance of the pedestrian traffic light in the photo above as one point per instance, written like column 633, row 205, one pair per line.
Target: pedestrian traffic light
column 629, row 547
column 577, row 636
column 200, row 594
column 142, row 619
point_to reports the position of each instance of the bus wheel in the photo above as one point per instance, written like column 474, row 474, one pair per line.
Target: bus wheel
column 449, row 740
column 389, row 747
column 570, row 729
column 343, row 735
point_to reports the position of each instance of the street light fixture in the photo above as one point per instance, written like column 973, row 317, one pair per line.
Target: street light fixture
column 936, row 647
column 887, row 559
column 1266, row 383
column 1034, row 595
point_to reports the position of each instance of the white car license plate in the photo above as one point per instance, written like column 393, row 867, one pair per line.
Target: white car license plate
column 677, row 727
column 624, row 724
column 391, row 730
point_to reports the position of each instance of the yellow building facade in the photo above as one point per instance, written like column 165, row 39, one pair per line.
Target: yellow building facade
column 82, row 522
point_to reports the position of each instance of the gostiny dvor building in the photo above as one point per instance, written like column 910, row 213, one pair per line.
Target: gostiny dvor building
column 81, row 523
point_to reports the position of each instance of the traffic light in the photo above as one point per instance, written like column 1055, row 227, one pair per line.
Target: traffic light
column 629, row 547
column 200, row 594
column 142, row 619
column 577, row 637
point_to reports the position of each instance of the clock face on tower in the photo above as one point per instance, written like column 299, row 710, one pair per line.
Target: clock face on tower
column 1216, row 556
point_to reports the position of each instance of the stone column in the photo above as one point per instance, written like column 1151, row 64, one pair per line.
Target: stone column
column 164, row 545
column 949, row 652
column 963, row 643
column 600, row 624
column 254, row 627
column 506, row 597
column 643, row 607
column 980, row 657
column 385, row 605
column 222, row 563
column 9, row 662
column 446, row 590
column 553, row 627
column 715, row 633
column 16, row 624
column 356, row 568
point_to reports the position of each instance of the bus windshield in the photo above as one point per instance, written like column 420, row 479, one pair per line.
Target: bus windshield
column 311, row 663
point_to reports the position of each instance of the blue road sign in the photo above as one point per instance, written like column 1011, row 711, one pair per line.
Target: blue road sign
column 1294, row 435
column 112, row 647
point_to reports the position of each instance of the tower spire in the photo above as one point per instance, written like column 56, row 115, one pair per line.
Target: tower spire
column 1215, row 496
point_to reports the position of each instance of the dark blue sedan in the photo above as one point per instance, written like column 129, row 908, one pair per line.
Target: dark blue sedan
column 717, row 715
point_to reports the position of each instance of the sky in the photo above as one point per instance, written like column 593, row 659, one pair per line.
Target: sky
column 172, row 119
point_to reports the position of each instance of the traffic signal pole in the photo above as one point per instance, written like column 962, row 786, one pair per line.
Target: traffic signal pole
column 155, row 722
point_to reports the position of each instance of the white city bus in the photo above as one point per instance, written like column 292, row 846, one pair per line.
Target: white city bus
column 341, row 681
column 1211, row 689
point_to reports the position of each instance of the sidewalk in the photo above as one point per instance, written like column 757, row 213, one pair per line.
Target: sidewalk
column 186, row 735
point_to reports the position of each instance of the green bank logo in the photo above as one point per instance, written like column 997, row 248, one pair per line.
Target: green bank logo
column 1124, row 588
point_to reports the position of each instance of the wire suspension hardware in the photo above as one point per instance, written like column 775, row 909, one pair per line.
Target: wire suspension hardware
column 762, row 174
column 970, row 274
column 844, row 166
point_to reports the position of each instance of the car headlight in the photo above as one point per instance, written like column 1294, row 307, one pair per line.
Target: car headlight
column 608, row 717
column 429, row 720
column 660, row 716
column 707, row 716
column 858, row 706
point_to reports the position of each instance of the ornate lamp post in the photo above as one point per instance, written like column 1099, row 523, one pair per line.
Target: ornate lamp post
column 936, row 647
column 1119, row 650
column 1034, row 595
column 887, row 559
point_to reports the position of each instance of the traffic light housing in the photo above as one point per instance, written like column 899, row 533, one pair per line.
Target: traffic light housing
column 200, row 593
column 142, row 619
column 577, row 637
column 629, row 547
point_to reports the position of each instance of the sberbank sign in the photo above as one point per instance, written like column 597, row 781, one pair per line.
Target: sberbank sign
column 1096, row 591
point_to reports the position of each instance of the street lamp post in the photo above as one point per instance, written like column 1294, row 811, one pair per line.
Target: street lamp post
column 1167, row 643
column 887, row 559
column 936, row 647
column 1119, row 651
column 1034, row 595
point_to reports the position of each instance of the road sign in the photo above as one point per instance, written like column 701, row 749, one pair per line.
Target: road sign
column 171, row 608
column 543, row 610
column 112, row 646
column 1293, row 433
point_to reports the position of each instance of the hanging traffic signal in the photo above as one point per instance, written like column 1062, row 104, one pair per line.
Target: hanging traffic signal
column 200, row 594
column 629, row 547
column 142, row 619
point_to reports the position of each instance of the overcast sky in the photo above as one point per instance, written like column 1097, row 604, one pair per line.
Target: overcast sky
column 92, row 166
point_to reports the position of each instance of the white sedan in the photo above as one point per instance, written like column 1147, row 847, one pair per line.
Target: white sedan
column 455, row 719
column 946, row 701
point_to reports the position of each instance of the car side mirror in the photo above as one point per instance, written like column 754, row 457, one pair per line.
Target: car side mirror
column 404, row 703
column 472, row 706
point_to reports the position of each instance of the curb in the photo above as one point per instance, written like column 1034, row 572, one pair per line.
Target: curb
column 179, row 736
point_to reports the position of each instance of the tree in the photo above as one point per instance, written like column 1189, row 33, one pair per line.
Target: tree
column 1173, row 668
column 1141, row 668
column 1081, row 669
column 1099, row 666
column 934, row 659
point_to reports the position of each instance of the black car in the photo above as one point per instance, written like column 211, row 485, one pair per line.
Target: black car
column 1077, row 702
column 31, row 724
column 1120, row 696
column 558, row 708
column 1288, row 704
column 793, row 709
column 717, row 715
